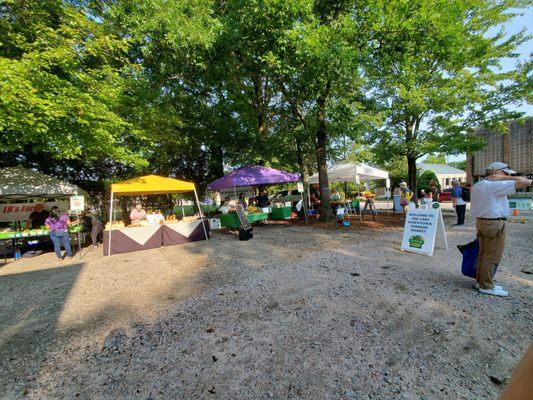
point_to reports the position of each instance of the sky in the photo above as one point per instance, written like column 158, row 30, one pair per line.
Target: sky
column 513, row 26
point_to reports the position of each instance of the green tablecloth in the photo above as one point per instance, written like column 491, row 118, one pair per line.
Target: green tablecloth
column 190, row 210
column 281, row 212
column 35, row 233
column 231, row 220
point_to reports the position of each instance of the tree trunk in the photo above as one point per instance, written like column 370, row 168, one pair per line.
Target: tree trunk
column 301, row 167
column 321, row 155
column 260, row 105
column 411, row 174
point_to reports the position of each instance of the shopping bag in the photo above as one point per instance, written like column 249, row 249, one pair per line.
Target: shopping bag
column 470, row 252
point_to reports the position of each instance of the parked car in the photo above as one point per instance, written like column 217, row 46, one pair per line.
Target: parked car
column 445, row 195
column 286, row 195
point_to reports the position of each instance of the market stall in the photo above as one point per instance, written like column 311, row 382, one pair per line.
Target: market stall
column 157, row 230
column 254, row 176
column 18, row 186
column 354, row 172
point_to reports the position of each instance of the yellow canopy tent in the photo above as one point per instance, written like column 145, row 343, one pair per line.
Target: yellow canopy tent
column 149, row 185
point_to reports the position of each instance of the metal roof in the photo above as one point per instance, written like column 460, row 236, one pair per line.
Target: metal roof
column 440, row 169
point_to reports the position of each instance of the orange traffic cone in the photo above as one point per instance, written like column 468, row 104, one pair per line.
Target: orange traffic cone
column 516, row 213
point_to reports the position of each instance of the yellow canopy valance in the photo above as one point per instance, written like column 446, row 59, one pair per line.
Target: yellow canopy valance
column 151, row 184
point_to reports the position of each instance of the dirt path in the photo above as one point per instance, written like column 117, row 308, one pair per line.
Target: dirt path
column 294, row 313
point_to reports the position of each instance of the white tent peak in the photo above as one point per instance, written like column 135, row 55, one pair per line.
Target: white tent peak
column 18, row 183
column 348, row 172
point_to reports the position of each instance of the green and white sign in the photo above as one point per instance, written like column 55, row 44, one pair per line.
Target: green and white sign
column 420, row 230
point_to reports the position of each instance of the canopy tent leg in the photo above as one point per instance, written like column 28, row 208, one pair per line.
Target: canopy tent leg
column 234, row 193
column 110, row 225
column 78, row 234
column 201, row 215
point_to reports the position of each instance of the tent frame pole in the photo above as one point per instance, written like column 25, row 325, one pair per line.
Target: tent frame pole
column 110, row 225
column 200, row 212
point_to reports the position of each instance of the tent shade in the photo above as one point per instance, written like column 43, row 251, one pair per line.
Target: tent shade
column 18, row 183
column 151, row 184
column 347, row 172
column 253, row 176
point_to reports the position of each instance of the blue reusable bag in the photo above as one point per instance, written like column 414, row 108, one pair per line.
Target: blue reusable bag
column 470, row 252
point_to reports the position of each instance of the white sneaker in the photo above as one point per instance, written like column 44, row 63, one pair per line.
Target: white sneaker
column 475, row 285
column 497, row 291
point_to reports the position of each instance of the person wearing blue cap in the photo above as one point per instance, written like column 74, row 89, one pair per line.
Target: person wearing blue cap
column 490, row 207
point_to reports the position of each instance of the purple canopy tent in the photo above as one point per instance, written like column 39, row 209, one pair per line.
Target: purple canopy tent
column 253, row 176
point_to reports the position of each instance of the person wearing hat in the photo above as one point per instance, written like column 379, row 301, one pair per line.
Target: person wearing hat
column 490, row 207
column 405, row 196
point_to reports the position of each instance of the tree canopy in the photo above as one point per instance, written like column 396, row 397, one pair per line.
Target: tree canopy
column 100, row 90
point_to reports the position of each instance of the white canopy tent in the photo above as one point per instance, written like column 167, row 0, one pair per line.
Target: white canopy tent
column 18, row 183
column 352, row 172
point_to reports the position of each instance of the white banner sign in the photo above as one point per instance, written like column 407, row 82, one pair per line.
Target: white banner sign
column 300, row 187
column 22, row 211
column 420, row 230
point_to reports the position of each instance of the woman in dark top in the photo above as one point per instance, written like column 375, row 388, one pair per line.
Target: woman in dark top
column 97, row 226
column 242, row 200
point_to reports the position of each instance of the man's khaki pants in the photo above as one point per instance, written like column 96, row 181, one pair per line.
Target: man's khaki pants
column 491, row 235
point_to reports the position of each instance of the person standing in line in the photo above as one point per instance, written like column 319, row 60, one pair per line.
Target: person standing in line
column 58, row 224
column 490, row 207
column 458, row 203
column 97, row 226
column 405, row 196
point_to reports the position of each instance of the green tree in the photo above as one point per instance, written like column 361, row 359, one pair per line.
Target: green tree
column 459, row 164
column 436, row 69
column 435, row 159
column 62, row 86
column 317, row 65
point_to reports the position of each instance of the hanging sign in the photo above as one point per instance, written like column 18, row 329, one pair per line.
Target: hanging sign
column 420, row 230
column 22, row 211
column 77, row 203
column 300, row 187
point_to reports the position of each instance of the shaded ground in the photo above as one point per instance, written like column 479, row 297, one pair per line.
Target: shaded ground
column 297, row 312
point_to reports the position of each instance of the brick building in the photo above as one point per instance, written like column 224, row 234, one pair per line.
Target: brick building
column 514, row 148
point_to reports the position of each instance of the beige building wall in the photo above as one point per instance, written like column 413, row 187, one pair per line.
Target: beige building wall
column 514, row 148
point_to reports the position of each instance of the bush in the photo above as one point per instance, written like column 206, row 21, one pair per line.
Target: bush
column 424, row 179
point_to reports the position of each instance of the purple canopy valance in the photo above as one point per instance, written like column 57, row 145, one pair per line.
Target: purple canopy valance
column 253, row 176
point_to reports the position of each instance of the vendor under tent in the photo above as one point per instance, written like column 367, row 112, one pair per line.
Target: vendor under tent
column 17, row 186
column 119, row 239
column 352, row 172
column 252, row 176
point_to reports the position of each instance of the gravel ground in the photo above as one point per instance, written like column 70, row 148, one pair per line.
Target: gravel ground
column 297, row 312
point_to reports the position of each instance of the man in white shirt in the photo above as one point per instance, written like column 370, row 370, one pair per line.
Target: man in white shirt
column 490, row 207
